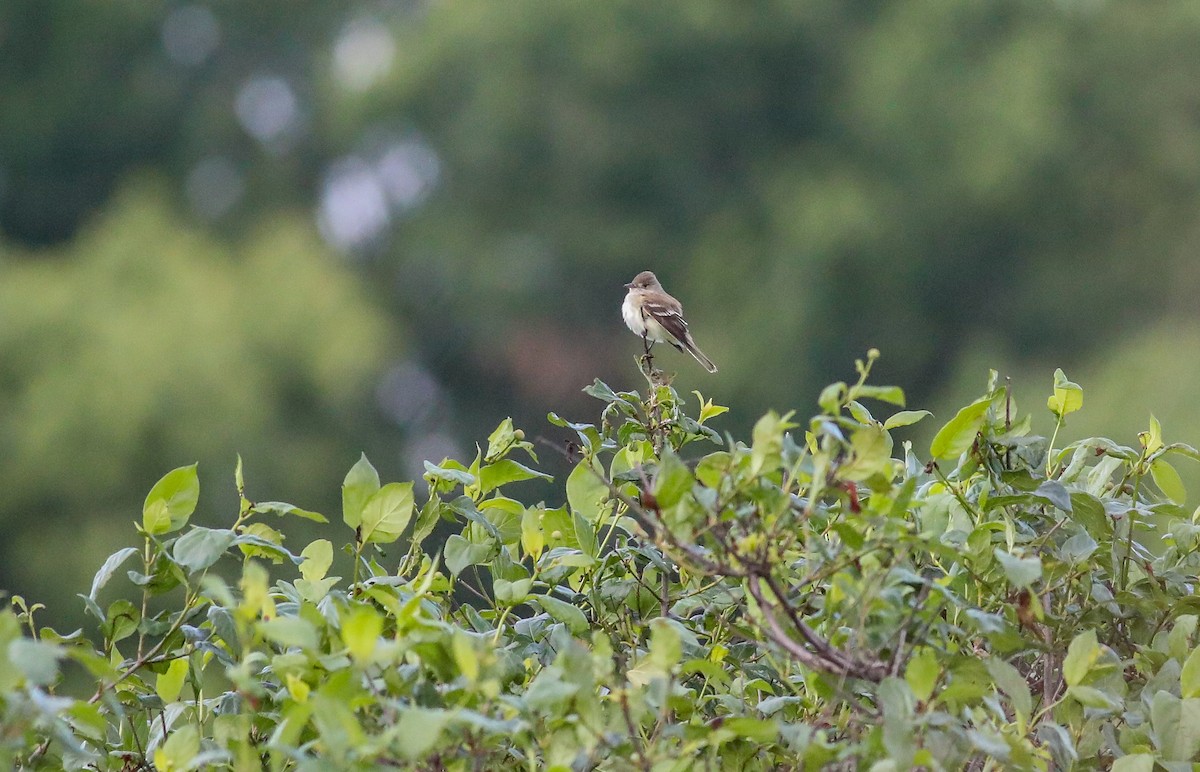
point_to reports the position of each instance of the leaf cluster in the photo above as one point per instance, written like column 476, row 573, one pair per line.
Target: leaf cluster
column 815, row 597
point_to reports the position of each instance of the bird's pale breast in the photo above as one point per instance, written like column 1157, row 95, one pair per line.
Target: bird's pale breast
column 633, row 316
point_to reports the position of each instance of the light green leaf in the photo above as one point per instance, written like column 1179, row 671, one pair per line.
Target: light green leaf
column 1153, row 439
column 586, row 492
column 170, row 684
column 1067, row 397
column 504, row 471
column 905, row 418
column 511, row 592
column 1021, row 572
column 756, row 730
column 109, row 568
column 1082, row 654
column 958, row 435
column 361, row 483
column 177, row 752
column 386, row 514
column 280, row 509
column 1134, row 762
column 1092, row 697
column 1176, row 725
column 922, row 672
column 1168, row 481
column 503, row 440
column 672, row 480
column 708, row 409
column 37, row 660
column 1189, row 678
column 171, row 501
column 318, row 557
column 419, row 730
column 290, row 631
column 893, row 395
column 533, row 539
column 766, row 452
column 871, row 453
column 361, row 629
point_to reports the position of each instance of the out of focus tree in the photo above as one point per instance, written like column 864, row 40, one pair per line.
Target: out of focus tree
column 809, row 178
column 145, row 343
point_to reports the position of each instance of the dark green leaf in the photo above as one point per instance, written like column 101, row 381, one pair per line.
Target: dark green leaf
column 199, row 548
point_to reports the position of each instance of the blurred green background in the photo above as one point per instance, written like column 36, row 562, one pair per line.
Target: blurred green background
column 299, row 229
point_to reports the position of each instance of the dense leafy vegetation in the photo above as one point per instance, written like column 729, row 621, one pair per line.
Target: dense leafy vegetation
column 817, row 596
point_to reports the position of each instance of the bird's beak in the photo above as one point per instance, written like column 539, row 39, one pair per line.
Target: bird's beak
column 629, row 285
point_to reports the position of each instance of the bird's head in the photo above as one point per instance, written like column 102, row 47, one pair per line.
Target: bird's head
column 644, row 280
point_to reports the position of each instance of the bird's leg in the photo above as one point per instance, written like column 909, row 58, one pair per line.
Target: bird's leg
column 647, row 359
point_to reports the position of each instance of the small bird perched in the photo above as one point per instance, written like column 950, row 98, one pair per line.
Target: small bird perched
column 657, row 317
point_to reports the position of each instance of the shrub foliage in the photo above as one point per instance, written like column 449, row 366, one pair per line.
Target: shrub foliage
column 816, row 597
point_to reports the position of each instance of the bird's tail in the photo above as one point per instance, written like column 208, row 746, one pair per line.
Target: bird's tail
column 694, row 350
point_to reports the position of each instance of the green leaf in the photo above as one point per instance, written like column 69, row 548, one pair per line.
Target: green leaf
column 177, row 752
column 708, row 409
column 1067, row 397
column 506, row 471
column 121, row 620
column 361, row 629
column 282, row 509
column 958, row 435
column 1152, row 440
column 1176, row 725
column 1078, row 548
column 318, row 557
column 461, row 553
column 564, row 612
column 361, row 483
column 601, row 390
column 1056, row 493
column 1010, row 681
column 905, row 418
column 290, row 631
column 448, row 474
column 37, row 660
column 200, row 547
column 586, row 492
column 386, row 514
column 171, row 501
column 767, row 450
column 666, row 649
column 672, row 480
column 170, row 684
column 511, row 592
column 1021, row 572
column 533, row 539
column 1168, row 481
column 893, row 395
column 1082, row 654
column 502, row 440
column 922, row 672
column 1134, row 762
column 1189, row 677
column 832, row 396
column 419, row 730
column 871, row 454
column 109, row 568
column 756, row 730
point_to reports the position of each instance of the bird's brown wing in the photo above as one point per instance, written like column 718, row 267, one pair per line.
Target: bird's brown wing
column 670, row 318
